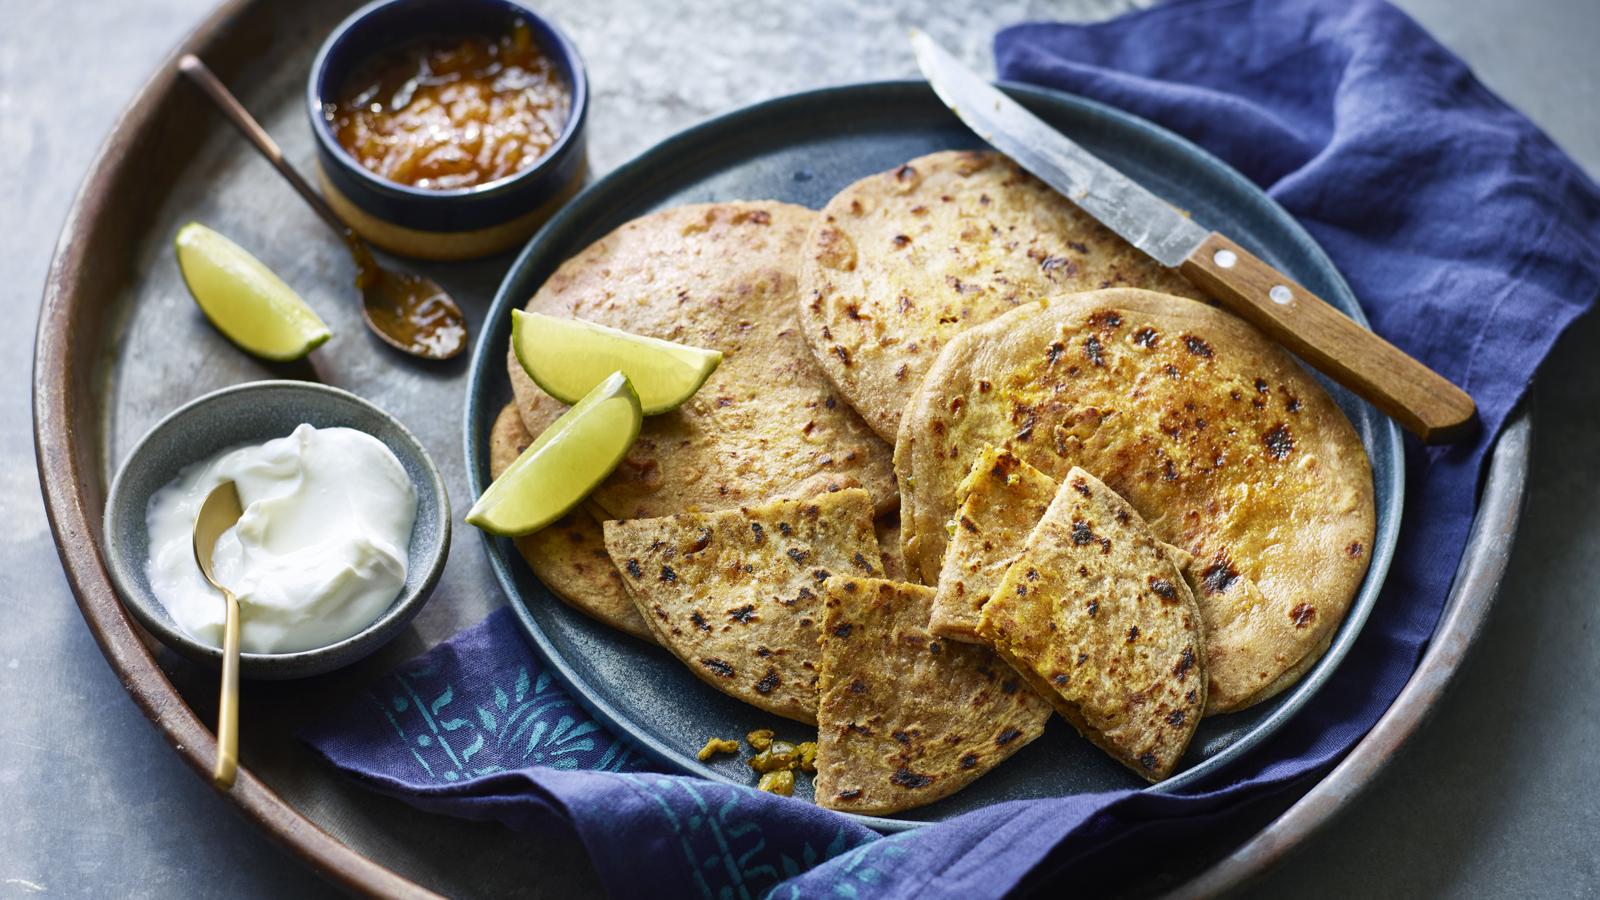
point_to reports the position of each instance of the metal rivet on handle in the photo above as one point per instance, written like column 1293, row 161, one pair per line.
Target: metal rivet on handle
column 1280, row 294
column 1225, row 258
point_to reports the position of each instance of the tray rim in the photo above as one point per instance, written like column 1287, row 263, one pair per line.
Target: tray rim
column 1473, row 591
column 74, row 525
column 68, row 499
column 692, row 141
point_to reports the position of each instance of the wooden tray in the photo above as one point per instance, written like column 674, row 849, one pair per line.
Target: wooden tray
column 119, row 344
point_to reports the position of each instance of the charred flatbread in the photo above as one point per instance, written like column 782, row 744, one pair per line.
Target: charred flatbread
column 720, row 276
column 1228, row 448
column 901, row 262
column 894, row 562
column 907, row 718
column 736, row 594
column 1001, row 500
column 569, row 555
column 1096, row 616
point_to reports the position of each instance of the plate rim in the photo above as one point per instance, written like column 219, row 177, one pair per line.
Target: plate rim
column 500, row 554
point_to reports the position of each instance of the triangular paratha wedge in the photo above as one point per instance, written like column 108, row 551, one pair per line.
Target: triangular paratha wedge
column 1095, row 614
column 1001, row 499
column 907, row 718
column 569, row 555
column 736, row 594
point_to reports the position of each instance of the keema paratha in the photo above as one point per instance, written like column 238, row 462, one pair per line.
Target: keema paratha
column 1096, row 616
column 901, row 262
column 736, row 594
column 1001, row 500
column 907, row 718
column 720, row 276
column 569, row 555
column 1228, row 448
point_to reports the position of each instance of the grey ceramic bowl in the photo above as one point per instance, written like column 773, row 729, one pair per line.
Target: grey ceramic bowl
column 253, row 413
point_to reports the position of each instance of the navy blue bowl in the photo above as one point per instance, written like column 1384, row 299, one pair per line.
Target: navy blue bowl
column 443, row 224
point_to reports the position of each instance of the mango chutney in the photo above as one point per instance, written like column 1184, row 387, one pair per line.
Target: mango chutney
column 453, row 114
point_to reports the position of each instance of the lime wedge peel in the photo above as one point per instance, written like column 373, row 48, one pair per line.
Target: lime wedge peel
column 244, row 299
column 564, row 464
column 568, row 357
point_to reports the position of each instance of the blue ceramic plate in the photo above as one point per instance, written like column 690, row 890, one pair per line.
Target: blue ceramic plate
column 802, row 149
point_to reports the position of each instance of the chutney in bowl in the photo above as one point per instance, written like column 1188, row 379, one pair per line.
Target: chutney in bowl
column 448, row 129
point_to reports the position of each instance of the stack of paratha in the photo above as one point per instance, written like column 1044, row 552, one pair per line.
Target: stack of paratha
column 1120, row 502
column 767, row 423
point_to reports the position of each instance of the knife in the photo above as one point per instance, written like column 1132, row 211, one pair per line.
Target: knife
column 1421, row 400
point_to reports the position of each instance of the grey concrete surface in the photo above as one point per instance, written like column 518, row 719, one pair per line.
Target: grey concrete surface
column 1496, row 797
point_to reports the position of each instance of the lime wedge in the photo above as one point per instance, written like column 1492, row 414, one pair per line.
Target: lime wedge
column 243, row 298
column 563, row 464
column 568, row 357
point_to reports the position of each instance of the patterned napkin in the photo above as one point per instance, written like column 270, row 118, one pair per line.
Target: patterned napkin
column 1472, row 243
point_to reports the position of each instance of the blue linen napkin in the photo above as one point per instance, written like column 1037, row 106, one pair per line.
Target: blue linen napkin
column 1472, row 242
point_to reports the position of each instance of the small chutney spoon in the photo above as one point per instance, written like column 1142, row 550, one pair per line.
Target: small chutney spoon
column 409, row 312
column 220, row 511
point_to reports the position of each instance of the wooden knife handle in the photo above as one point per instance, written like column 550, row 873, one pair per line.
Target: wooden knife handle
column 1417, row 397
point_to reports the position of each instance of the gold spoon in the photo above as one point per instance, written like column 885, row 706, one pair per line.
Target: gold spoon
column 409, row 312
column 219, row 512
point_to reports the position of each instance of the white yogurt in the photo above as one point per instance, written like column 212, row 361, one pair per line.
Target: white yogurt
column 318, row 555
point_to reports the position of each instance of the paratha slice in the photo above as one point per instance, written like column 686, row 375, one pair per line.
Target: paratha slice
column 1222, row 442
column 1095, row 614
column 905, row 717
column 736, row 594
column 569, row 555
column 902, row 261
column 1002, row 499
column 767, row 421
column 894, row 563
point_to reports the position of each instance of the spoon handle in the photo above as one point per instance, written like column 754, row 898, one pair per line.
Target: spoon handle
column 229, row 105
column 228, row 706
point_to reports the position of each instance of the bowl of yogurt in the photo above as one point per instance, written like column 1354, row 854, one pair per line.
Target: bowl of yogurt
column 345, row 531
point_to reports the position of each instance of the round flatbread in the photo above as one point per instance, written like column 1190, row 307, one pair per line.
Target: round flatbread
column 901, row 262
column 569, row 555
column 1228, row 448
column 720, row 276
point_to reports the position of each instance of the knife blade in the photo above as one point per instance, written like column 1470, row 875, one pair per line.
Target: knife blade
column 1118, row 202
column 1421, row 400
